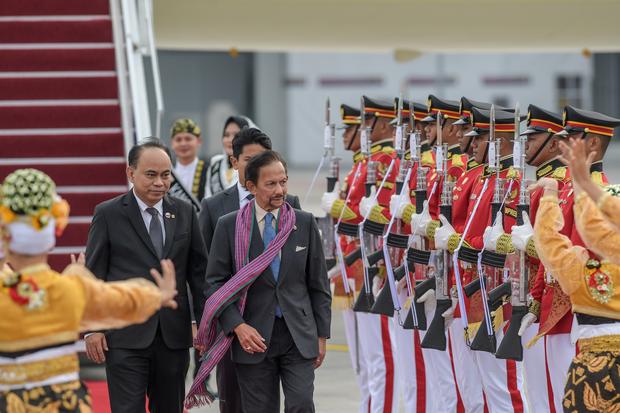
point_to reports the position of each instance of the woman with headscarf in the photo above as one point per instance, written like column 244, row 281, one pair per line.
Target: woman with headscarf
column 42, row 312
column 221, row 174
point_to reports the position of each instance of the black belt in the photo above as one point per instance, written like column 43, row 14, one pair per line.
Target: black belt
column 592, row 320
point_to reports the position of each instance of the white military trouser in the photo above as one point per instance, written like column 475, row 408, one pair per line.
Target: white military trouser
column 357, row 359
column 439, row 371
column 379, row 352
column 535, row 383
column 502, row 381
column 470, row 385
column 413, row 384
column 559, row 353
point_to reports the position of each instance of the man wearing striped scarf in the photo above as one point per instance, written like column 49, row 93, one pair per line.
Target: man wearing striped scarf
column 270, row 294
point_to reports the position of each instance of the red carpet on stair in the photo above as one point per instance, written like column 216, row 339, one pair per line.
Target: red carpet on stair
column 42, row 146
column 59, row 88
column 36, row 117
column 83, row 204
column 53, row 7
column 56, row 59
column 93, row 31
column 105, row 174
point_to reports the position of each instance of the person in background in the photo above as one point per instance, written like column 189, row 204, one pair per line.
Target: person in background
column 190, row 170
column 221, row 174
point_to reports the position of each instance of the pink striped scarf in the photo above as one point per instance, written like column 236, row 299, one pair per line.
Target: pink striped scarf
column 236, row 288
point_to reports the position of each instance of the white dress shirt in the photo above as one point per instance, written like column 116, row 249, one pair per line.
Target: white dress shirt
column 146, row 217
column 185, row 173
column 243, row 195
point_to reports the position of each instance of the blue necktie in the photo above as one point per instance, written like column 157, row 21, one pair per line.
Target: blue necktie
column 269, row 233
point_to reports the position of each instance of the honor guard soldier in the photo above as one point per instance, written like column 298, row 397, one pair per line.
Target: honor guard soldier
column 338, row 209
column 492, row 144
column 413, row 381
column 542, row 151
column 374, row 335
column 443, row 136
column 469, row 383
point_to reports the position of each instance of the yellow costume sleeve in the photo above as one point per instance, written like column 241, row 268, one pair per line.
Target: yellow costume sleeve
column 610, row 207
column 116, row 304
column 564, row 261
column 599, row 235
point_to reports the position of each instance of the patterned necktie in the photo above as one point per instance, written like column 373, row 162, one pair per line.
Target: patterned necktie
column 269, row 233
column 155, row 232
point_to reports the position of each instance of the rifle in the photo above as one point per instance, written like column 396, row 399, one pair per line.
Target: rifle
column 365, row 299
column 488, row 342
column 326, row 223
column 511, row 346
column 387, row 301
column 416, row 317
column 435, row 336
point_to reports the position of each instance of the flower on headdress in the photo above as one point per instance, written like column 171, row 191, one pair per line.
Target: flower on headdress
column 6, row 215
column 60, row 212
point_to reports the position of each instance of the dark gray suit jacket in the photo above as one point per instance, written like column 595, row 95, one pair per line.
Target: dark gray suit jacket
column 119, row 248
column 302, row 289
column 222, row 203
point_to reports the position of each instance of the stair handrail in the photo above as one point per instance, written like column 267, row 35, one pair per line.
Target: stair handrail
column 159, row 99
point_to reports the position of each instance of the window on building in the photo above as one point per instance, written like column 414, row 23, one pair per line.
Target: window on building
column 569, row 89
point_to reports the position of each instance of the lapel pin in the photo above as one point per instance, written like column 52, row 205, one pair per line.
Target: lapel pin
column 294, row 227
column 169, row 215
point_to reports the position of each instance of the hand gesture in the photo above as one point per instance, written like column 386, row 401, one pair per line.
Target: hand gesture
column 167, row 283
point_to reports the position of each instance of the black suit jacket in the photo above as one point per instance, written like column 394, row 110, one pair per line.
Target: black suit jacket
column 119, row 248
column 222, row 203
column 302, row 290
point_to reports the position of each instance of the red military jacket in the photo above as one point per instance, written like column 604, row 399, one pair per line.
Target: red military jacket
column 556, row 316
column 383, row 153
column 460, row 203
column 482, row 217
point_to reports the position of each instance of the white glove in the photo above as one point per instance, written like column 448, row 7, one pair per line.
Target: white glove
column 328, row 199
column 449, row 313
column 401, row 285
column 351, row 282
column 428, row 296
column 420, row 221
column 366, row 205
column 398, row 202
column 492, row 234
column 521, row 234
column 443, row 233
column 377, row 282
column 526, row 321
column 334, row 272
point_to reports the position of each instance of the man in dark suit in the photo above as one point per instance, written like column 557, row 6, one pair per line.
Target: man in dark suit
column 129, row 235
column 247, row 143
column 281, row 336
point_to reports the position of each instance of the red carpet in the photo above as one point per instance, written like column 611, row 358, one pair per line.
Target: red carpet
column 110, row 174
column 99, row 393
column 56, row 59
column 95, row 31
column 53, row 7
column 60, row 88
column 43, row 146
column 78, row 45
column 99, row 116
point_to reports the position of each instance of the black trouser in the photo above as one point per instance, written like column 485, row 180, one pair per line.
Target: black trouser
column 260, row 383
column 227, row 385
column 157, row 372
